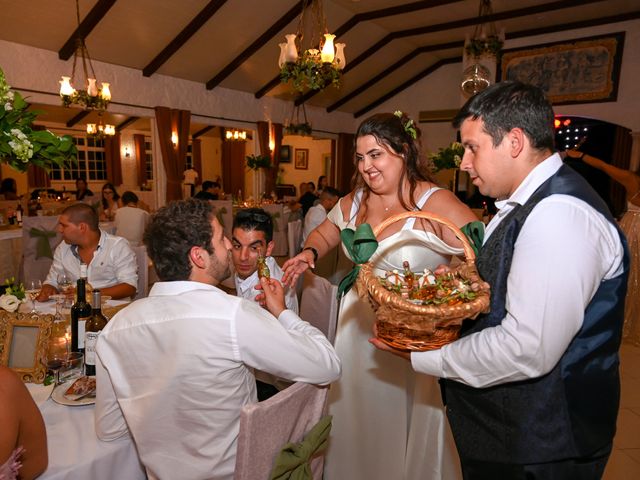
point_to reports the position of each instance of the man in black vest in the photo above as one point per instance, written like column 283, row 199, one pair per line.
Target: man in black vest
column 532, row 387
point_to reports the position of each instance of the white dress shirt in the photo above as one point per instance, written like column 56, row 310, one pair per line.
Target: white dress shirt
column 563, row 252
column 113, row 263
column 314, row 217
column 244, row 288
column 174, row 370
column 130, row 224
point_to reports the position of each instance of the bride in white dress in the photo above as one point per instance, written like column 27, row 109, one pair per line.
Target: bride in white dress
column 388, row 422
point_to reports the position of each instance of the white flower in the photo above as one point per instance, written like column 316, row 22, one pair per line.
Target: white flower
column 8, row 106
column 9, row 302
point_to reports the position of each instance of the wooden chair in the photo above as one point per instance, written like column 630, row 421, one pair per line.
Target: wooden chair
column 319, row 304
column 294, row 237
column 143, row 271
column 266, row 427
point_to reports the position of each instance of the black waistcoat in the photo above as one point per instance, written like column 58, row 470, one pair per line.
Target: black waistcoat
column 569, row 412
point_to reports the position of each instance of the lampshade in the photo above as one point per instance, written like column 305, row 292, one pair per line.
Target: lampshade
column 475, row 79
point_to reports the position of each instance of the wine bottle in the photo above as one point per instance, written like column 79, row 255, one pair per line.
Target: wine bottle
column 18, row 214
column 80, row 312
column 93, row 327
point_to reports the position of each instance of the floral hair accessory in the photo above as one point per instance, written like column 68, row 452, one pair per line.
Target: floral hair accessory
column 408, row 125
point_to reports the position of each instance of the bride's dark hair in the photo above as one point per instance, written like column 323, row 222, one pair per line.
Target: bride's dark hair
column 395, row 133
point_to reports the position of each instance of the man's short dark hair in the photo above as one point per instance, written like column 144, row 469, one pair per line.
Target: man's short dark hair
column 129, row 197
column 311, row 186
column 508, row 105
column 206, row 185
column 254, row 219
column 82, row 213
column 173, row 231
column 331, row 192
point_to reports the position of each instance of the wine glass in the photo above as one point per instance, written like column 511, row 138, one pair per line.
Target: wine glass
column 33, row 291
column 65, row 285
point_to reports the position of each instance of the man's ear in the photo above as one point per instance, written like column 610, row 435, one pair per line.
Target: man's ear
column 270, row 246
column 517, row 141
column 196, row 257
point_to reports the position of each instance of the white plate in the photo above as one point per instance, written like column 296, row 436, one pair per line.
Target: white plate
column 58, row 396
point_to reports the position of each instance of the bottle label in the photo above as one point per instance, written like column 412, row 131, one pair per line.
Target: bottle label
column 90, row 347
column 81, row 331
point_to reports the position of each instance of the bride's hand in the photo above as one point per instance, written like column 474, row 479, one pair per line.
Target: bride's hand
column 296, row 266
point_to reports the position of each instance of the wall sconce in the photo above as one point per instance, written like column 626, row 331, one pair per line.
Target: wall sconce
column 127, row 153
column 272, row 145
column 174, row 139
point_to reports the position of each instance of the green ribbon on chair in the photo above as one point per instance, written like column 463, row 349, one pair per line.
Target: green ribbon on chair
column 274, row 218
column 42, row 236
column 294, row 460
column 361, row 245
column 475, row 233
column 219, row 213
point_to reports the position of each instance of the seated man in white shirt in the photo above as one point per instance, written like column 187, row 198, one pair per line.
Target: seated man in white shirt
column 318, row 213
column 111, row 264
column 175, row 369
column 252, row 235
column 131, row 220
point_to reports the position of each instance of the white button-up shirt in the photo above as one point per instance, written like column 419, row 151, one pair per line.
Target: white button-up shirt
column 563, row 252
column 174, row 369
column 113, row 263
column 244, row 288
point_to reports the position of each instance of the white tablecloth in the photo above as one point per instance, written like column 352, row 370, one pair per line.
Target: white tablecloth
column 76, row 453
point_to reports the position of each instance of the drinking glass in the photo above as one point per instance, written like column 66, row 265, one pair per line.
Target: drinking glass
column 33, row 291
column 65, row 285
column 58, row 348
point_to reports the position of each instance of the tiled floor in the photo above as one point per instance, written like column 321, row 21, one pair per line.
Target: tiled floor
column 624, row 463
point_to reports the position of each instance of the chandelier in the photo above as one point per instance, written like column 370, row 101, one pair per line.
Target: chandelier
column 235, row 135
column 91, row 97
column 100, row 130
column 320, row 63
column 480, row 56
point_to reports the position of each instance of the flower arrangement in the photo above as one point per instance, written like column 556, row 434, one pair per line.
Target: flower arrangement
column 20, row 144
column 298, row 129
column 310, row 73
column 477, row 47
column 13, row 296
column 449, row 157
column 254, row 162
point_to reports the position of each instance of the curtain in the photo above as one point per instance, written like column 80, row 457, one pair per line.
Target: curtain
column 621, row 158
column 37, row 177
column 141, row 158
column 113, row 159
column 196, row 153
column 233, row 167
column 173, row 157
column 344, row 162
column 272, row 173
column 263, row 138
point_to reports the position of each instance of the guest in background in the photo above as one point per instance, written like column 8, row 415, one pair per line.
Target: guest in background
column 9, row 189
column 111, row 264
column 23, row 439
column 323, row 183
column 110, row 202
column 190, row 177
column 131, row 220
column 318, row 213
column 210, row 191
column 81, row 189
column 630, row 224
column 252, row 235
column 175, row 369
column 306, row 200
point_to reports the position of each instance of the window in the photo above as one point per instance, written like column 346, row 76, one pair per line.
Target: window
column 148, row 158
column 189, row 158
column 91, row 161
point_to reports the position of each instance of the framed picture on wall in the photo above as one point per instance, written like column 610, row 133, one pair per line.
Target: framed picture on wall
column 302, row 158
column 285, row 154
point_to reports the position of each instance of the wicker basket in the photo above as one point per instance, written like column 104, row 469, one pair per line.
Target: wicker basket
column 407, row 326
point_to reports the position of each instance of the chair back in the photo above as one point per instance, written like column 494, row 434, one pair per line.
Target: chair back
column 143, row 271
column 35, row 266
column 294, row 237
column 319, row 304
column 224, row 214
column 266, row 427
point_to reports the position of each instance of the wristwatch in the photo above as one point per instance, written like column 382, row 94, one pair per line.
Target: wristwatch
column 314, row 251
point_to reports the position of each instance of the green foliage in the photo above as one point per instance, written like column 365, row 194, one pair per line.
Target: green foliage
column 254, row 162
column 309, row 73
column 14, row 288
column 449, row 157
column 20, row 144
column 81, row 97
column 477, row 47
column 298, row 129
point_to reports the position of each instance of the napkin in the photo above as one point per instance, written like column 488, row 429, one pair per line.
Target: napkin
column 39, row 392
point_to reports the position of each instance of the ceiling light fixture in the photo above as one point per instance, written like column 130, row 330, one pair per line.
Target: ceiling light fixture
column 236, row 135
column 481, row 53
column 91, row 97
column 100, row 130
column 320, row 63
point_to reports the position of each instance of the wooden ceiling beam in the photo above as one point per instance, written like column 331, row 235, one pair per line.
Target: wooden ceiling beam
column 183, row 37
column 202, row 131
column 510, row 36
column 362, row 17
column 126, row 123
column 257, row 44
column 94, row 16
column 471, row 21
column 77, row 117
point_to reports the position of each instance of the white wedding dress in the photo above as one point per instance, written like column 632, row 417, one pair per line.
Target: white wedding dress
column 388, row 421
